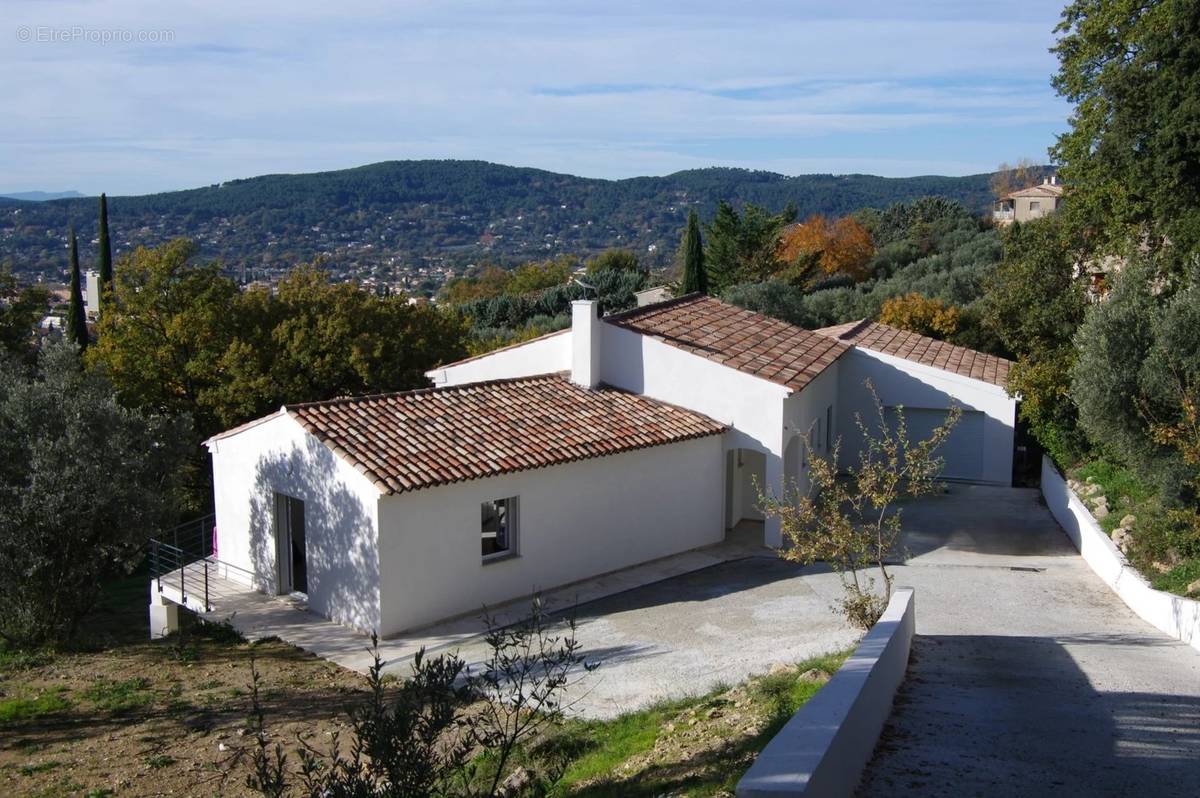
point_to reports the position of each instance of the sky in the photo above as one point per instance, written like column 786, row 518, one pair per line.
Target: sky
column 134, row 97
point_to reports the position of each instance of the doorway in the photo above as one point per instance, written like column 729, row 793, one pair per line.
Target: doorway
column 290, row 545
column 745, row 475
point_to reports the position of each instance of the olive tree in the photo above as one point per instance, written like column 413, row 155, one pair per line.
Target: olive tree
column 83, row 484
column 851, row 521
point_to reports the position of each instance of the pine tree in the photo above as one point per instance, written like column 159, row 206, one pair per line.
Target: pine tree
column 76, row 314
column 106, row 264
column 695, row 277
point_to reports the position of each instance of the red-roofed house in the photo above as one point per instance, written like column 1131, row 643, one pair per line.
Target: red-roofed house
column 620, row 440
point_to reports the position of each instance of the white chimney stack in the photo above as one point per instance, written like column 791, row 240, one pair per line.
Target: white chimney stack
column 585, row 343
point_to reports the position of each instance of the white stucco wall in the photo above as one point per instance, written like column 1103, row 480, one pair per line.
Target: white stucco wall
column 550, row 353
column 804, row 415
column 903, row 382
column 576, row 520
column 340, row 511
column 751, row 406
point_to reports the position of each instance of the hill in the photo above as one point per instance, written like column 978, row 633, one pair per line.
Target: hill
column 41, row 196
column 405, row 217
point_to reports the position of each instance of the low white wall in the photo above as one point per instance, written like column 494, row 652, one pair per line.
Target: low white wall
column 544, row 355
column 1177, row 616
column 825, row 746
column 575, row 521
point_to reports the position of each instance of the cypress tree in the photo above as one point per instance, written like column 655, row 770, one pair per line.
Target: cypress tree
column 695, row 276
column 106, row 264
column 76, row 314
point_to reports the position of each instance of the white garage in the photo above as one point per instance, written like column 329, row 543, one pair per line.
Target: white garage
column 963, row 450
column 925, row 378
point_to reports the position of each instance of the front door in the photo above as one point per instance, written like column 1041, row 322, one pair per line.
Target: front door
column 291, row 559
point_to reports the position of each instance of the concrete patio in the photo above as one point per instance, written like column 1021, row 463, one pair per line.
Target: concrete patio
column 258, row 615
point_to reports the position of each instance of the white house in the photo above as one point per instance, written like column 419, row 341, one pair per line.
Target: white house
column 620, row 440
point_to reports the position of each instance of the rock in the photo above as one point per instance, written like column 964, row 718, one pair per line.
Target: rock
column 222, row 747
column 516, row 783
column 1161, row 567
column 1100, row 511
column 1091, row 480
column 1090, row 489
column 779, row 668
column 1121, row 539
column 814, row 675
column 1128, row 521
column 1194, row 587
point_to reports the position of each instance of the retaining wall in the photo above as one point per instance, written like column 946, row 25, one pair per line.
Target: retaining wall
column 1177, row 616
column 825, row 746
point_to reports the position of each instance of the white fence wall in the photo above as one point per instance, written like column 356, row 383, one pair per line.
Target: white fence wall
column 824, row 748
column 1177, row 616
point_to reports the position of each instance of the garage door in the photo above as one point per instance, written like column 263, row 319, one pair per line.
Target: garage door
column 962, row 451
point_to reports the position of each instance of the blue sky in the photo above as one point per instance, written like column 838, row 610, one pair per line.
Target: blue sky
column 128, row 96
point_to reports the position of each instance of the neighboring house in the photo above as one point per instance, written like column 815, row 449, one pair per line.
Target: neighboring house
column 617, row 441
column 91, row 295
column 1029, row 203
column 650, row 296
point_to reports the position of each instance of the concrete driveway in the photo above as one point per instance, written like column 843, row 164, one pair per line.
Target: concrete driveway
column 1029, row 676
column 686, row 635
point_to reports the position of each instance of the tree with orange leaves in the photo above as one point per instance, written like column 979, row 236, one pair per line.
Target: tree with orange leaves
column 837, row 247
column 921, row 314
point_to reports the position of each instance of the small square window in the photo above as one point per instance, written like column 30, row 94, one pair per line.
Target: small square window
column 1035, row 205
column 498, row 527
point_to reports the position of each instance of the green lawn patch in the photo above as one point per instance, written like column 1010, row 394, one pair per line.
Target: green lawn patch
column 694, row 746
column 15, row 659
column 40, row 767
column 120, row 697
column 19, row 708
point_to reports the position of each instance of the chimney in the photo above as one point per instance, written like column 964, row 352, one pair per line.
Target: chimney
column 585, row 343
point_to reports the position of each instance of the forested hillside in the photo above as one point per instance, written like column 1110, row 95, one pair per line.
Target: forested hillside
column 404, row 214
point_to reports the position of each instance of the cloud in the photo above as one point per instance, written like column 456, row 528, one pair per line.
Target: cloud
column 612, row 90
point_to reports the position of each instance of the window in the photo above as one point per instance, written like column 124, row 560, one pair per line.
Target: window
column 829, row 428
column 1034, row 205
column 499, row 528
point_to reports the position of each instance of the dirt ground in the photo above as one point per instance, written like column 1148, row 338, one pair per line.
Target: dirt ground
column 128, row 717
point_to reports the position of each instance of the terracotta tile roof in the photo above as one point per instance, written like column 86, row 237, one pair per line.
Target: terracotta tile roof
column 740, row 339
column 922, row 349
column 1040, row 190
column 437, row 436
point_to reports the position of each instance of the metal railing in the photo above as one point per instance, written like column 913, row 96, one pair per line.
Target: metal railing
column 189, row 545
